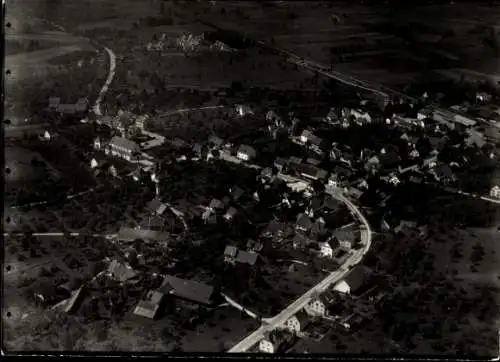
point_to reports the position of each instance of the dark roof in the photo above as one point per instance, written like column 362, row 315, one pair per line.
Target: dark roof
column 304, row 221
column 246, row 149
column 157, row 206
column 217, row 141
column 236, row 192
column 331, row 203
column 268, row 171
column 316, row 203
column 187, row 289
column 390, row 158
column 356, row 277
column 311, row 171
column 345, row 234
column 246, row 257
column 295, row 160
column 280, row 161
column 313, row 161
column 303, row 318
column 444, row 170
column 130, row 234
column 301, row 240
column 121, row 271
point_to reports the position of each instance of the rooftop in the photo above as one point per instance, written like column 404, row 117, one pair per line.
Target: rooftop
column 187, row 289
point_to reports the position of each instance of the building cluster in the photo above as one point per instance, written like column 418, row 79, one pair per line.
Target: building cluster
column 328, row 306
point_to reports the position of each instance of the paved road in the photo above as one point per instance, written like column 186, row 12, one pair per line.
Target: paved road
column 302, row 301
column 485, row 198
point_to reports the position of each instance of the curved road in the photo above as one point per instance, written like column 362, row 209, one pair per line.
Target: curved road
column 302, row 301
column 105, row 87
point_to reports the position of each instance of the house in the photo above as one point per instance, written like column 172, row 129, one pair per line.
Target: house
column 443, row 173
column 333, row 181
column 254, row 246
column 98, row 144
column 272, row 116
column 273, row 341
column 353, row 281
column 149, row 306
column 315, row 308
column 216, row 204
column 297, row 323
column 346, row 237
column 245, row 257
column 301, row 241
column 230, row 214
column 331, row 204
column 430, row 161
column 303, row 223
column 123, row 148
column 236, row 192
column 332, row 115
column 495, row 192
column 373, row 163
column 294, row 161
column 280, row 163
column 216, row 141
column 209, row 216
column 156, row 206
column 313, row 161
column 93, row 163
column 230, row 254
column 311, row 172
column 306, row 136
column 483, row 97
column 424, row 113
column 198, row 149
column 246, row 153
column 361, row 115
column 328, row 248
column 405, row 224
column 475, row 139
column 463, row 120
column 266, row 173
column 190, row 290
column 121, row 271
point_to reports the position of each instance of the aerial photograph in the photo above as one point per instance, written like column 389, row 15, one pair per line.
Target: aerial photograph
column 252, row 177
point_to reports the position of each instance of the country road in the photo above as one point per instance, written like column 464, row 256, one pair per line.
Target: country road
column 302, row 301
column 105, row 87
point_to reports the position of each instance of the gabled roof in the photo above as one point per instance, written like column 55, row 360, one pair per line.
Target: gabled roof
column 246, row 257
column 303, row 318
column 346, row 234
column 149, row 306
column 157, row 206
column 187, row 289
column 236, row 192
column 301, row 240
column 357, row 277
column 316, row 203
column 248, row 150
column 280, row 161
column 231, row 212
column 216, row 204
column 231, row 251
column 295, row 160
column 217, row 141
column 304, row 221
column 120, row 271
column 125, row 143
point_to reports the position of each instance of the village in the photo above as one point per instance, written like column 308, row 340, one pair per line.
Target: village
column 258, row 211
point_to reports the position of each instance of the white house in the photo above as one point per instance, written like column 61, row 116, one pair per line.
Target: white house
column 328, row 248
column 297, row 323
column 305, row 136
column 97, row 143
column 266, row 346
column 495, row 192
column 315, row 308
column 46, row 135
column 333, row 181
column 246, row 153
column 361, row 115
column 93, row 163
